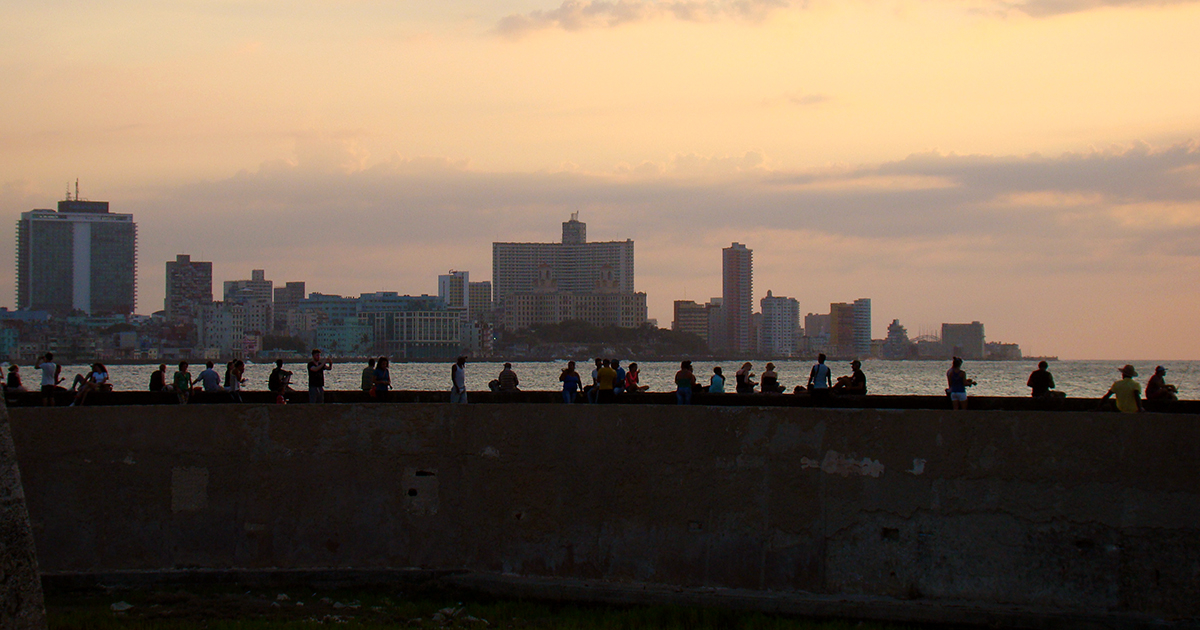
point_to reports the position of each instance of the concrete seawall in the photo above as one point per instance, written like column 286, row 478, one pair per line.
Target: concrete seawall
column 1097, row 513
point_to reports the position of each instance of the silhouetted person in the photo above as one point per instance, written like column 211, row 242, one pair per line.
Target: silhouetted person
column 820, row 378
column 382, row 380
column 958, row 383
column 606, row 378
column 458, row 381
column 51, row 372
column 316, row 377
column 158, row 378
column 1041, row 381
column 508, row 379
column 368, row 375
column 854, row 383
column 744, row 379
column 1157, row 388
column 279, row 381
column 770, row 381
column 685, row 382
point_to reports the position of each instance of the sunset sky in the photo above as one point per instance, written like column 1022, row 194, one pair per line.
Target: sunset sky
column 1031, row 165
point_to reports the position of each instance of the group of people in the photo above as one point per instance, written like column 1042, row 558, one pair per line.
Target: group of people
column 96, row 379
column 229, row 388
column 609, row 380
column 820, row 381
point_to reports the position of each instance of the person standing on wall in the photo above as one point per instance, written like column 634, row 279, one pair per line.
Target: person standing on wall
column 316, row 377
column 51, row 377
column 458, row 381
column 956, row 379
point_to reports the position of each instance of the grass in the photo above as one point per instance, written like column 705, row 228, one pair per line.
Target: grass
column 226, row 609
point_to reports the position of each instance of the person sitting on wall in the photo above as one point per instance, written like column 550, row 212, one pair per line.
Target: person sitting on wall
column 855, row 383
column 1127, row 391
column 770, row 381
column 507, row 380
column 1157, row 388
column 1041, row 381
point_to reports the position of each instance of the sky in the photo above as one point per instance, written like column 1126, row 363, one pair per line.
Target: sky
column 1032, row 165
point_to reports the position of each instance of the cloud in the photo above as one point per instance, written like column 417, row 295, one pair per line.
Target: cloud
column 576, row 15
column 1051, row 8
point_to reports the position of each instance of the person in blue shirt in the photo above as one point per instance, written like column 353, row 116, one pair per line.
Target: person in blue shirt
column 716, row 384
column 570, row 382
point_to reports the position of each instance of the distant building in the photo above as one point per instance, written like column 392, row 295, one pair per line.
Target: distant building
column 189, row 286
column 996, row 351
column 286, row 298
column 841, row 329
column 223, row 326
column 780, row 320
column 816, row 333
column 257, row 296
column 896, row 345
column 454, row 289
column 624, row 310
column 964, row 340
column 81, row 257
column 716, row 324
column 480, row 301
column 691, row 317
column 861, row 335
column 576, row 264
column 411, row 327
column 548, row 283
column 737, row 289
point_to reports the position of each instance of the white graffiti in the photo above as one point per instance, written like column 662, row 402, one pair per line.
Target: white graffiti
column 836, row 463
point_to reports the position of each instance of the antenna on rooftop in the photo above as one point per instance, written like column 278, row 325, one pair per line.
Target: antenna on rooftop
column 575, row 216
column 76, row 189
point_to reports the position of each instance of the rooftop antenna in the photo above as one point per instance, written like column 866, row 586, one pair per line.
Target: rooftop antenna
column 76, row 189
column 575, row 216
column 68, row 191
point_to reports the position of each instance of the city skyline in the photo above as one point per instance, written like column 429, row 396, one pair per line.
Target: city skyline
column 1031, row 165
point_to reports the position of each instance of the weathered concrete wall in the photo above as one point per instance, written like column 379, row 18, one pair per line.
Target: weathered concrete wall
column 1084, row 511
column 21, row 605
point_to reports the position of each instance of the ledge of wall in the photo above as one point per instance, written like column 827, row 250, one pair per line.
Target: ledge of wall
column 1089, row 512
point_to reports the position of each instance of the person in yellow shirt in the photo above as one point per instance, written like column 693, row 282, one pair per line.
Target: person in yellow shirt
column 1127, row 391
column 605, row 381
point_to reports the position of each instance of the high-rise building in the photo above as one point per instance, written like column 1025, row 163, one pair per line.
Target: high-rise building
column 816, row 333
column 691, row 317
column 576, row 264
column 257, row 296
column 547, row 283
column 963, row 340
column 479, row 301
column 861, row 344
column 81, row 257
column 286, row 298
column 841, row 329
column 189, row 286
column 737, row 290
column 780, row 319
column 454, row 289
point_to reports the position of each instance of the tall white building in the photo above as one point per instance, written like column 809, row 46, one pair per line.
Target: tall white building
column 576, row 264
column 862, row 328
column 780, row 320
